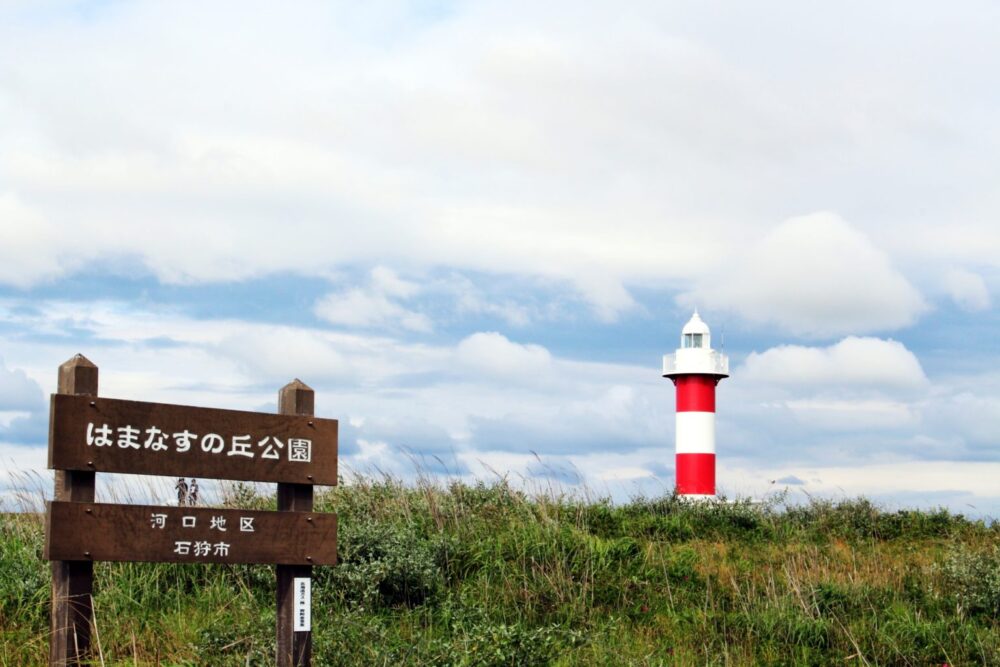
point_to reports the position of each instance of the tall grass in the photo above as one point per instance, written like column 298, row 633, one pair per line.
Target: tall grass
column 486, row 574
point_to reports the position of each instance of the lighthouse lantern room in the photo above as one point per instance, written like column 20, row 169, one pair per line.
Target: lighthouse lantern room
column 695, row 369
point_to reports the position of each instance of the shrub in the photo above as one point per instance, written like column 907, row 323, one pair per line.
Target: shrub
column 973, row 577
column 386, row 565
column 514, row 645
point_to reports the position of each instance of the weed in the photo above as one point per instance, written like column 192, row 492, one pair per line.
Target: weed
column 488, row 575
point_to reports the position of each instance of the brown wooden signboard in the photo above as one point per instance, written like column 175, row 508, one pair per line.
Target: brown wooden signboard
column 110, row 435
column 151, row 533
column 88, row 434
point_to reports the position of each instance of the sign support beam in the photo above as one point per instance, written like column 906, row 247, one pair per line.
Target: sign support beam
column 73, row 580
column 294, row 647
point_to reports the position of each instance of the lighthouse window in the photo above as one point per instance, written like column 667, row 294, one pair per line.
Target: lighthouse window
column 692, row 340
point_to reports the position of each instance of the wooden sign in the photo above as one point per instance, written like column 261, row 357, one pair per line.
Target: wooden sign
column 109, row 435
column 88, row 434
column 151, row 533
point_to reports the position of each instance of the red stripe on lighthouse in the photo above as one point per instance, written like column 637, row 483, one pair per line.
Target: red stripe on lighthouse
column 695, row 393
column 696, row 474
column 695, row 457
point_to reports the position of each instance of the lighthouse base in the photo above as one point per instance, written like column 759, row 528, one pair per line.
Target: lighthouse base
column 695, row 474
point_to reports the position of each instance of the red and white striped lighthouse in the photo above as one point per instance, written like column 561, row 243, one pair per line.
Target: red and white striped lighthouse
column 695, row 369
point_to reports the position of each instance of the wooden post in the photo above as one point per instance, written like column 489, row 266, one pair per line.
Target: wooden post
column 294, row 648
column 73, row 581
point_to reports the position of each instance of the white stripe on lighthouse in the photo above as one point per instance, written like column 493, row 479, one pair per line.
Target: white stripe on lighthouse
column 695, row 432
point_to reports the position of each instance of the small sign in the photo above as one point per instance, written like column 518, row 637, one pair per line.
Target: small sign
column 152, row 533
column 303, row 595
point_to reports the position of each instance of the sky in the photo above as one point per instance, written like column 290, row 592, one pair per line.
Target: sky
column 474, row 228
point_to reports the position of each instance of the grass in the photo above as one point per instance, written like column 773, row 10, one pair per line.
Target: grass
column 487, row 575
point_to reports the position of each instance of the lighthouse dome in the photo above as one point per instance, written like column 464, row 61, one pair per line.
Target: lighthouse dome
column 695, row 333
column 695, row 325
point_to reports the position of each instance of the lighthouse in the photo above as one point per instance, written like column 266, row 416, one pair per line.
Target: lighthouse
column 695, row 369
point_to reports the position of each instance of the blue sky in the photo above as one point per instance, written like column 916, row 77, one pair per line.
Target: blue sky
column 474, row 228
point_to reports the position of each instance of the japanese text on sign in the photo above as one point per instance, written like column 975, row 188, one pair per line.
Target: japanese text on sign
column 156, row 533
column 299, row 450
column 201, row 548
column 303, row 590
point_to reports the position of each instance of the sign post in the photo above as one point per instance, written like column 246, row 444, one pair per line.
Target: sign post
column 73, row 580
column 90, row 434
column 294, row 645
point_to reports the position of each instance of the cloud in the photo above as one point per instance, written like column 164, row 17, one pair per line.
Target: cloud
column 853, row 415
column 790, row 479
column 813, row 275
column 588, row 151
column 23, row 408
column 30, row 244
column 510, row 312
column 624, row 473
column 967, row 418
column 385, row 281
column 608, row 297
column 374, row 306
column 409, row 432
column 884, row 479
column 494, row 355
column 470, row 299
column 361, row 308
column 967, row 290
column 606, row 419
column 854, row 363
column 863, row 397
column 30, row 428
column 562, row 473
column 659, row 469
column 278, row 354
column 562, row 153
column 488, row 400
column 18, row 392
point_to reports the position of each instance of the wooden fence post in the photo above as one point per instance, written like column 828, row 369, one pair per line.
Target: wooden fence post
column 294, row 648
column 73, row 581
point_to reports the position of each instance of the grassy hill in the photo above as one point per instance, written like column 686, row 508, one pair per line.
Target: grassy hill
column 485, row 575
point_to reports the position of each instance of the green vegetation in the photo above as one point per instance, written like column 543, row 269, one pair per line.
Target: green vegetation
column 485, row 575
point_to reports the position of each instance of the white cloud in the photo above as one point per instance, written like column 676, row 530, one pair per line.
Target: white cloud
column 469, row 299
column 496, row 356
column 607, row 296
column 278, row 354
column 853, row 415
column 590, row 151
column 970, row 413
column 29, row 244
column 619, row 474
column 18, row 392
column 363, row 308
column 975, row 481
column 385, row 281
column 491, row 400
column 603, row 155
column 813, row 275
column 510, row 312
column 853, row 363
column 809, row 401
column 373, row 306
column 968, row 290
